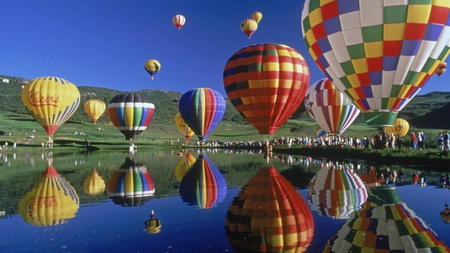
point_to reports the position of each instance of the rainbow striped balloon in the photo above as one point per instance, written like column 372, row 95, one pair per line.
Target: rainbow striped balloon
column 379, row 53
column 266, row 83
column 202, row 109
column 331, row 109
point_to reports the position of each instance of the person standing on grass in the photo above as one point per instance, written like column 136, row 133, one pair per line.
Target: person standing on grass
column 440, row 141
column 399, row 142
column 446, row 139
column 413, row 140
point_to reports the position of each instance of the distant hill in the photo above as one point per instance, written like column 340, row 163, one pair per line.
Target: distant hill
column 424, row 111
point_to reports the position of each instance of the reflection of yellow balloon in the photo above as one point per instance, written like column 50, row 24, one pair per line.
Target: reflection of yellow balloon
column 51, row 101
column 153, row 226
column 94, row 184
column 152, row 66
column 400, row 127
column 50, row 201
column 183, row 127
column 257, row 16
column 184, row 165
column 94, row 108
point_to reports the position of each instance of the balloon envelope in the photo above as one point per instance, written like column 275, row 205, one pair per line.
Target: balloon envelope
column 131, row 113
column 179, row 20
column 183, row 166
column 249, row 27
column 202, row 109
column 49, row 201
column 400, row 127
column 51, row 101
column 94, row 184
column 266, row 83
column 331, row 109
column 182, row 126
column 152, row 67
column 257, row 16
column 94, row 108
column 378, row 53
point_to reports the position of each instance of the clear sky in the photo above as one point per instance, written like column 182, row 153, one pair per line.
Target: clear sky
column 105, row 43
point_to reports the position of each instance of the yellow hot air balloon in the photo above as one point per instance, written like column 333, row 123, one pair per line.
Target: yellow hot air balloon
column 153, row 225
column 152, row 66
column 94, row 184
column 400, row 127
column 182, row 126
column 51, row 101
column 257, row 16
column 94, row 108
column 49, row 201
column 249, row 27
column 184, row 165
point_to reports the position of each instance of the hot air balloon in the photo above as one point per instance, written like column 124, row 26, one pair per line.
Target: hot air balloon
column 178, row 20
column 51, row 101
column 249, row 27
column 378, row 53
column 131, row 185
column 203, row 185
column 94, row 184
column 152, row 67
column 369, row 178
column 441, row 69
column 445, row 214
column 202, row 109
column 269, row 215
column 94, row 108
column 385, row 224
column 257, row 16
column 131, row 113
column 336, row 192
column 331, row 109
column 266, row 83
column 400, row 127
column 182, row 126
column 320, row 132
column 49, row 201
column 183, row 166
column 153, row 226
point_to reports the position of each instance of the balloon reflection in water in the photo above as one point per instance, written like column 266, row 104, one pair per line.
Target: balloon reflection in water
column 94, row 184
column 369, row 178
column 131, row 185
column 445, row 214
column 269, row 215
column 385, row 224
column 203, row 185
column 184, row 165
column 336, row 192
column 49, row 201
column 153, row 226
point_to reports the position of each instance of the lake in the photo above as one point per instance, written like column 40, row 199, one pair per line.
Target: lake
column 103, row 201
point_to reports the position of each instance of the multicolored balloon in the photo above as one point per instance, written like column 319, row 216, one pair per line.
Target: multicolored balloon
column 152, row 67
column 249, row 26
column 385, row 224
column 131, row 185
column 441, row 69
column 51, row 101
column 269, row 215
column 179, row 20
column 400, row 127
column 49, row 201
column 203, row 185
column 257, row 16
column 182, row 126
column 445, row 214
column 266, row 83
column 331, row 109
column 94, row 108
column 131, row 113
column 202, row 109
column 94, row 184
column 336, row 192
column 379, row 53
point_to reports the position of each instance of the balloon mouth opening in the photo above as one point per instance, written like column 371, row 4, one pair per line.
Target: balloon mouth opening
column 380, row 118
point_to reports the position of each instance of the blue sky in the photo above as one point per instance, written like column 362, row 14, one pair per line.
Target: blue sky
column 104, row 43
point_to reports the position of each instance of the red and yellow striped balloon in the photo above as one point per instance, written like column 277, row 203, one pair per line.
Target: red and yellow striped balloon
column 266, row 83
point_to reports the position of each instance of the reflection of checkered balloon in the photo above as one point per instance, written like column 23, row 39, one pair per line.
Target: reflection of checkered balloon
column 379, row 53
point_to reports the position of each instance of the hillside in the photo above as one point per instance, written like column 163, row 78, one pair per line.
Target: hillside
column 424, row 111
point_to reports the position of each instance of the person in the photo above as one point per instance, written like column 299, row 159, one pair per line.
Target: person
column 392, row 140
column 440, row 141
column 267, row 151
column 423, row 139
column 399, row 142
column 446, row 140
column 413, row 140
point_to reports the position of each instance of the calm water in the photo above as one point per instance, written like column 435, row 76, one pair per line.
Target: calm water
column 190, row 203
